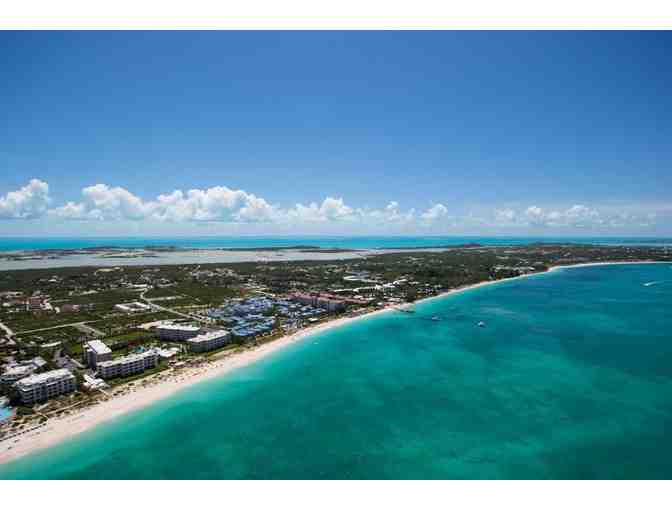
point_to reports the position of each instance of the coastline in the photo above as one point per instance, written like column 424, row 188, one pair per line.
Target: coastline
column 162, row 385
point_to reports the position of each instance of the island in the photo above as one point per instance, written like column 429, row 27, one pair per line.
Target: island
column 79, row 345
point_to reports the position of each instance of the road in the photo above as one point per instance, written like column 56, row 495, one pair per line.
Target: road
column 88, row 329
column 73, row 324
column 163, row 308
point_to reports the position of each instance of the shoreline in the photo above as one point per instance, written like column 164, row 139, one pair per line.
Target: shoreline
column 145, row 392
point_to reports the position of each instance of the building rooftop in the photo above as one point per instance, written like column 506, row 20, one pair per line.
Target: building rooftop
column 18, row 369
column 208, row 336
column 45, row 377
column 127, row 359
column 38, row 361
column 98, row 347
column 180, row 327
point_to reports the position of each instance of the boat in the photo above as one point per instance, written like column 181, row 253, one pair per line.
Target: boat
column 481, row 324
column 435, row 318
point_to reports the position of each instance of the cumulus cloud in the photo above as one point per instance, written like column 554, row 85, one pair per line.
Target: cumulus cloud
column 435, row 213
column 535, row 215
column 331, row 209
column 391, row 213
column 27, row 203
column 102, row 202
column 505, row 216
column 579, row 216
column 336, row 210
column 213, row 204
column 221, row 204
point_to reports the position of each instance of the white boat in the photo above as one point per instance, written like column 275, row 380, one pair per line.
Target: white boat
column 481, row 324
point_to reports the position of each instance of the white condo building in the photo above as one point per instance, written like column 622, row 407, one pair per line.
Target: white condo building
column 15, row 373
column 128, row 365
column 41, row 387
column 177, row 332
column 209, row 341
column 95, row 352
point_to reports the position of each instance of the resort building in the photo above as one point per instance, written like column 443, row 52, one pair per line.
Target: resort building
column 93, row 383
column 35, row 304
column 320, row 301
column 96, row 351
column 128, row 365
column 177, row 332
column 41, row 387
column 166, row 354
column 209, row 341
column 15, row 373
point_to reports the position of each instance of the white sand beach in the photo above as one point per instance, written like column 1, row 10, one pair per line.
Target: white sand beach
column 155, row 387
column 158, row 386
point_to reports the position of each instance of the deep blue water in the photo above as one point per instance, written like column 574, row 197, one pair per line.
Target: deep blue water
column 361, row 242
column 571, row 377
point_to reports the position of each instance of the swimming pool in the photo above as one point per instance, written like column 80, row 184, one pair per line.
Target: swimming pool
column 5, row 412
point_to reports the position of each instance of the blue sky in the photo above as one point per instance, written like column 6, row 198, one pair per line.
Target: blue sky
column 335, row 132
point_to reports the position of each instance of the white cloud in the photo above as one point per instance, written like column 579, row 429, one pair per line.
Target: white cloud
column 213, row 204
column 391, row 213
column 335, row 210
column 578, row 216
column 330, row 210
column 27, row 203
column 102, row 202
column 505, row 216
column 535, row 215
column 72, row 211
column 435, row 213
column 582, row 216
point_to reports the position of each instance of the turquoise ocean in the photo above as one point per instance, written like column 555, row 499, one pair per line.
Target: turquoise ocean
column 355, row 242
column 571, row 377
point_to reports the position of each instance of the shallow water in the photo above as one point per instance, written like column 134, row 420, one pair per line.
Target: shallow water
column 352, row 242
column 571, row 377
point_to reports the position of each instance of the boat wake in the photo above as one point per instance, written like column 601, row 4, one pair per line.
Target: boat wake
column 649, row 284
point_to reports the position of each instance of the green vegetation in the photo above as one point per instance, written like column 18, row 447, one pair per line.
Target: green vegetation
column 129, row 338
column 399, row 277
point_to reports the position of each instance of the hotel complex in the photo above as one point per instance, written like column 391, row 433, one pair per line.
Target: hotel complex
column 41, row 387
column 320, row 301
column 15, row 373
column 95, row 352
column 209, row 341
column 128, row 365
column 99, row 356
column 177, row 332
